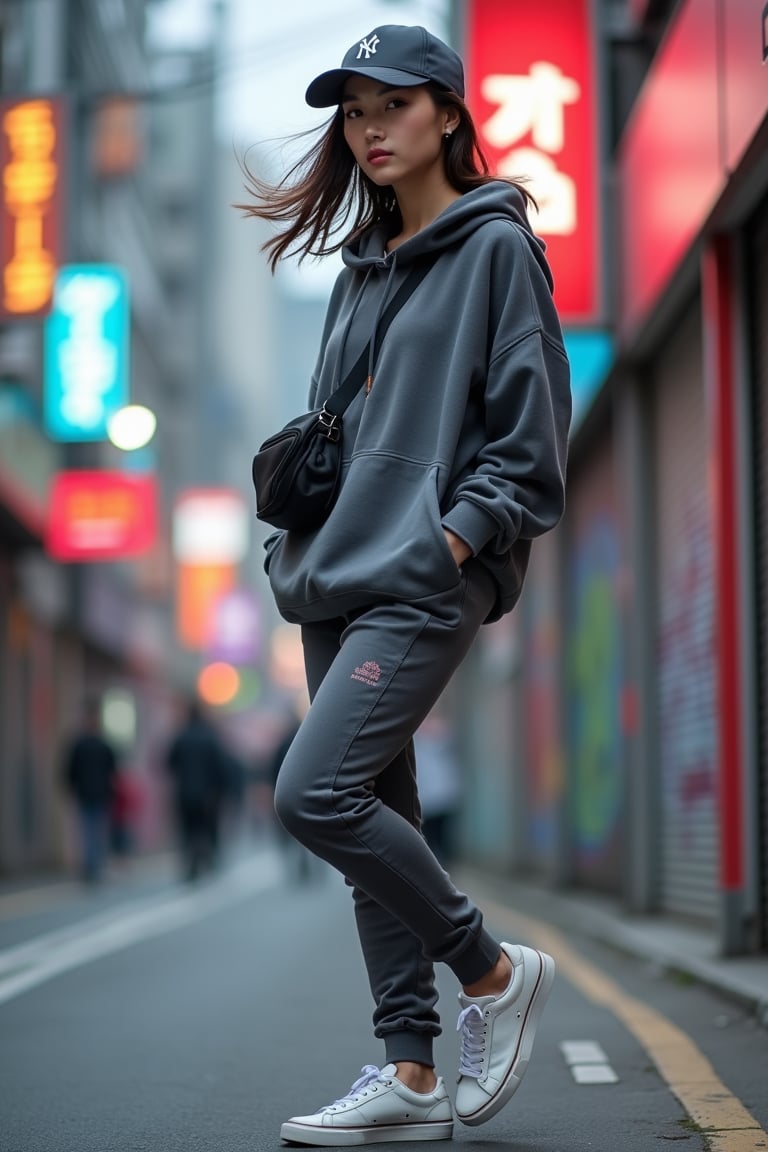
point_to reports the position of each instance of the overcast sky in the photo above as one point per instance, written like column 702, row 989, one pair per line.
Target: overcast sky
column 270, row 50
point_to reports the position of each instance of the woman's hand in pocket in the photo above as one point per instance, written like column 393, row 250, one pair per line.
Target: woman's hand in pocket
column 460, row 550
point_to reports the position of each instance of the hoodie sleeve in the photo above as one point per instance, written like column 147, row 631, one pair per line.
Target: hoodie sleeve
column 517, row 488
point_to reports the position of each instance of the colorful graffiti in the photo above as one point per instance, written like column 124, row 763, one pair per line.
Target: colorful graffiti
column 543, row 760
column 686, row 688
column 594, row 692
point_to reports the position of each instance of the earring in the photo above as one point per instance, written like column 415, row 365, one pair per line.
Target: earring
column 446, row 135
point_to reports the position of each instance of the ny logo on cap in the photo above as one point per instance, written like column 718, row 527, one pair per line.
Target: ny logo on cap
column 368, row 46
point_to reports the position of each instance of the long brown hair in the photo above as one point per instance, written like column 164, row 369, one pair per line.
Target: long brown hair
column 326, row 199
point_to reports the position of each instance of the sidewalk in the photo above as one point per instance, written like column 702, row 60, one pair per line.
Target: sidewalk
column 22, row 896
column 666, row 943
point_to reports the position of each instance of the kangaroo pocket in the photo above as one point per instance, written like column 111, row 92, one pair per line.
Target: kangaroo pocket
column 382, row 541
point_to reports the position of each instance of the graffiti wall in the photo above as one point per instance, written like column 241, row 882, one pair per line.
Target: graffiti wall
column 593, row 679
column 687, row 726
column 685, row 641
column 542, row 768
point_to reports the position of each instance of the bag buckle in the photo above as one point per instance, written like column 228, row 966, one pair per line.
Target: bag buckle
column 329, row 425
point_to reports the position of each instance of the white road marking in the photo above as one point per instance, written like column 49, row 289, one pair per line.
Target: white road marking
column 594, row 1074
column 583, row 1052
column 588, row 1062
column 30, row 964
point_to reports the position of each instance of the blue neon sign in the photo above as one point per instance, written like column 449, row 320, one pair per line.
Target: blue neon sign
column 591, row 354
column 86, row 351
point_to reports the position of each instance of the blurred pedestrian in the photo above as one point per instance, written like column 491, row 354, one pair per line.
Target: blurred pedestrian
column 453, row 461
column 124, row 813
column 90, row 771
column 198, row 766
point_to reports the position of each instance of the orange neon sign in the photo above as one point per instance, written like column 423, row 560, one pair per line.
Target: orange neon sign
column 31, row 204
column 198, row 588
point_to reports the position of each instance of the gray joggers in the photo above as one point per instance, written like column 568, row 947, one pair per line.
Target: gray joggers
column 347, row 791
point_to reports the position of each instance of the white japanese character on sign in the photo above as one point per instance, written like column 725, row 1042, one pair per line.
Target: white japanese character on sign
column 534, row 104
column 554, row 191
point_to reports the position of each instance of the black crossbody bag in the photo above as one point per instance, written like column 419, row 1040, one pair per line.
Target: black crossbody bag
column 296, row 472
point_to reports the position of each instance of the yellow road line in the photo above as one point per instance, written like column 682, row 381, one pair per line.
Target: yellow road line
column 727, row 1124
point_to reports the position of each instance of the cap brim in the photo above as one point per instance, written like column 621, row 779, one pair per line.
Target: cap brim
column 328, row 88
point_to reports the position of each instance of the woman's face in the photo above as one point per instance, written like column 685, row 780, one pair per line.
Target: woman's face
column 395, row 134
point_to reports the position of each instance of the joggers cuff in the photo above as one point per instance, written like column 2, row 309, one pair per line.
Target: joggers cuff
column 477, row 960
column 413, row 1046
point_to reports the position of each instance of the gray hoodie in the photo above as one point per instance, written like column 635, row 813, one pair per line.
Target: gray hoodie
column 465, row 426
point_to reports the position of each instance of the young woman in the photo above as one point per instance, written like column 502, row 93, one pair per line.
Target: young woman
column 454, row 459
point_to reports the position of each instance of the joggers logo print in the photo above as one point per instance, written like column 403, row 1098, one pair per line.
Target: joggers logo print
column 368, row 673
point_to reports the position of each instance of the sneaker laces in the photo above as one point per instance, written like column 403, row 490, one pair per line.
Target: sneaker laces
column 370, row 1074
column 471, row 1025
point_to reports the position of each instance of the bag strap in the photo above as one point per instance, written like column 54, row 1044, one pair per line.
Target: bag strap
column 338, row 402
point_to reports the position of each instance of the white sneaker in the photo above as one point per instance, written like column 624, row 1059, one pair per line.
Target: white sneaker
column 377, row 1108
column 497, row 1035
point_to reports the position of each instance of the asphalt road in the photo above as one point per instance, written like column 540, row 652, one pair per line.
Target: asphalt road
column 151, row 1018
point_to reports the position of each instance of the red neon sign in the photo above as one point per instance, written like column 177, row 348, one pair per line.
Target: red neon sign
column 101, row 515
column 531, row 91
column 31, row 204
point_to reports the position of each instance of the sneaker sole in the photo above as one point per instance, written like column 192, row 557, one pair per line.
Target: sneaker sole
column 381, row 1134
column 519, row 1065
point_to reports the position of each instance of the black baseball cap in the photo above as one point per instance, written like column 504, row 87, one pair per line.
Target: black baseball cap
column 398, row 54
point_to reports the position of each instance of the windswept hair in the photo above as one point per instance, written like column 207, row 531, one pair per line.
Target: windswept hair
column 325, row 199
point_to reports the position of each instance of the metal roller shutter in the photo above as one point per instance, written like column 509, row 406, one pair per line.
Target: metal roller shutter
column 686, row 668
column 758, row 246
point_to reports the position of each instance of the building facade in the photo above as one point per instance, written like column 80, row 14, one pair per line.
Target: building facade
column 132, row 195
column 635, row 749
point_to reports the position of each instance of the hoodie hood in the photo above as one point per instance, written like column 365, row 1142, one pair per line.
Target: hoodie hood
column 496, row 200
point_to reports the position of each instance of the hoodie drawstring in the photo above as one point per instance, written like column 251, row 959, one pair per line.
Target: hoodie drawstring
column 380, row 310
column 347, row 326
